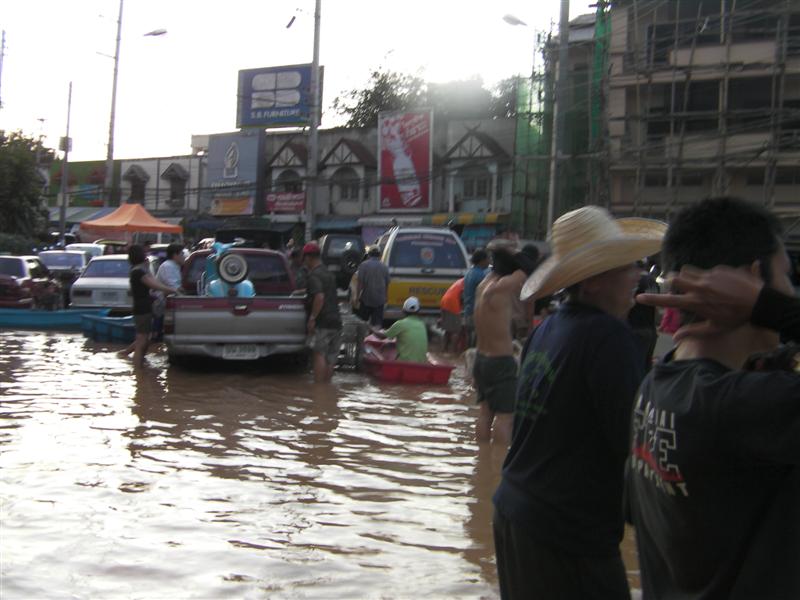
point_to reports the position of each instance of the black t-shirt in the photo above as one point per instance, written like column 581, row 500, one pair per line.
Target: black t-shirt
column 320, row 280
column 714, row 482
column 563, row 475
column 142, row 303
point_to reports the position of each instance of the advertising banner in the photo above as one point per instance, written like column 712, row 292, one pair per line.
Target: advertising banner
column 233, row 177
column 405, row 159
column 286, row 202
column 275, row 96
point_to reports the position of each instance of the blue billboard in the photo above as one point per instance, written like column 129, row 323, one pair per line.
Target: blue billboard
column 275, row 97
column 233, row 172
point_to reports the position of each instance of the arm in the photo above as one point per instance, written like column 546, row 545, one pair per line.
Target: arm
column 155, row 284
column 316, row 306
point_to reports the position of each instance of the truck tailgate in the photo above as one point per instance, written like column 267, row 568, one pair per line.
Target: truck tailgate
column 202, row 325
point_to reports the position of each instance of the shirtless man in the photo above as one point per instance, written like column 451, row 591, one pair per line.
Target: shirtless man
column 495, row 370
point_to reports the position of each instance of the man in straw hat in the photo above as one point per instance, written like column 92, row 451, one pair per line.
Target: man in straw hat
column 495, row 368
column 558, row 510
column 714, row 481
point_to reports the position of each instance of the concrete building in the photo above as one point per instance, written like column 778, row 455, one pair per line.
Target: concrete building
column 704, row 99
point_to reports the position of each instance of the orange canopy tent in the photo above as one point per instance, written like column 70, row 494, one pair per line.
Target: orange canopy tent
column 128, row 219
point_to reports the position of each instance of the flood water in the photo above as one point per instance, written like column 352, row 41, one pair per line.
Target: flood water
column 242, row 481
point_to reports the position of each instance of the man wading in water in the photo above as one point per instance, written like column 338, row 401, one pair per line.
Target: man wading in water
column 495, row 370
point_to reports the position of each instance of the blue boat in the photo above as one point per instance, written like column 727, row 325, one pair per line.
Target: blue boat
column 120, row 330
column 59, row 320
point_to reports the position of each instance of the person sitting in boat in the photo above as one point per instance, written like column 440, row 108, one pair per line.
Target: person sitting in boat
column 410, row 333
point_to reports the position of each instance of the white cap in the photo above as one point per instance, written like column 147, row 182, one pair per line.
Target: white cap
column 411, row 305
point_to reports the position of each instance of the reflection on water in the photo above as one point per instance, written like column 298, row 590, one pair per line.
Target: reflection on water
column 234, row 481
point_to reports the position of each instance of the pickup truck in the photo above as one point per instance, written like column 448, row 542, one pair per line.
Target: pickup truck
column 272, row 322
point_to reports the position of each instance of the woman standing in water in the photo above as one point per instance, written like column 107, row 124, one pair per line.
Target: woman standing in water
column 142, row 281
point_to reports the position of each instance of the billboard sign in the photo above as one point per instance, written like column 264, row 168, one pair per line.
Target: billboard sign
column 286, row 202
column 275, row 96
column 233, row 160
column 405, row 159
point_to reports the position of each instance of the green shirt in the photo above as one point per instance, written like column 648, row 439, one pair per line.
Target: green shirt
column 412, row 339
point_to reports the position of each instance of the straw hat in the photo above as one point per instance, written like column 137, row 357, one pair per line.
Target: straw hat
column 587, row 242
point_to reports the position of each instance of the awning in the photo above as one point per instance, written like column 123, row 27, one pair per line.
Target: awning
column 336, row 224
column 464, row 218
column 389, row 220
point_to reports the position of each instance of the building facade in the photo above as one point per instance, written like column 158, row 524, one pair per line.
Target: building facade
column 704, row 99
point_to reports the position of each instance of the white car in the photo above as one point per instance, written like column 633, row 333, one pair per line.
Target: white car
column 93, row 250
column 105, row 283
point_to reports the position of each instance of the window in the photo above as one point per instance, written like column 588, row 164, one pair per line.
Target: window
column 289, row 181
column 476, row 184
column 787, row 176
column 12, row 267
column 107, row 268
column 426, row 250
column 177, row 190
column 137, row 191
column 346, row 184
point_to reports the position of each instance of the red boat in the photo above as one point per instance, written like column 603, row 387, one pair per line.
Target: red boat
column 379, row 360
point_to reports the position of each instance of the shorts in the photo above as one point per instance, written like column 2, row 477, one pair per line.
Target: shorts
column 451, row 322
column 327, row 342
column 496, row 381
column 372, row 314
column 143, row 323
column 527, row 568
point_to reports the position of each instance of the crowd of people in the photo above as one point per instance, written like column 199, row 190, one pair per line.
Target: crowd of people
column 699, row 452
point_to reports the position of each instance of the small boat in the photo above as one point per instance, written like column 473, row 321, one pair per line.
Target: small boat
column 380, row 361
column 101, row 328
column 61, row 320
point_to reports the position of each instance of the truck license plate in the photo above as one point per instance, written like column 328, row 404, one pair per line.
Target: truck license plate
column 240, row 351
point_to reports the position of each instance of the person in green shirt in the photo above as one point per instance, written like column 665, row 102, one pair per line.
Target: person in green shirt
column 411, row 334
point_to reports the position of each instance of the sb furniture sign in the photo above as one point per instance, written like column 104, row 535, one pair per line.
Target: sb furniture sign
column 286, row 202
column 405, row 151
column 275, row 96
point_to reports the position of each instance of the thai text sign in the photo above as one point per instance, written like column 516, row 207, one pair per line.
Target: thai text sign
column 286, row 202
column 405, row 153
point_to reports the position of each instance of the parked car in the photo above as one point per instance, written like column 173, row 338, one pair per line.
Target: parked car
column 105, row 284
column 91, row 249
column 341, row 253
column 423, row 262
column 25, row 282
column 267, row 269
column 66, row 266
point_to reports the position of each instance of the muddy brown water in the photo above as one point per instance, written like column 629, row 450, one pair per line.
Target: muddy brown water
column 243, row 481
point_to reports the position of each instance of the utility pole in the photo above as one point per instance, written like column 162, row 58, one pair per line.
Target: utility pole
column 2, row 54
column 62, row 219
column 109, row 178
column 313, row 143
column 559, row 111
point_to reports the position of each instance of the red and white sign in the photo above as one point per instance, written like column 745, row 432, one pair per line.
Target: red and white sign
column 405, row 158
column 286, row 202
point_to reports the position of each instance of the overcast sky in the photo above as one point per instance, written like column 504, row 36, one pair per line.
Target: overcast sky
column 184, row 82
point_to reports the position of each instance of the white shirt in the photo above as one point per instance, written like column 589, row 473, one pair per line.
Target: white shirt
column 169, row 273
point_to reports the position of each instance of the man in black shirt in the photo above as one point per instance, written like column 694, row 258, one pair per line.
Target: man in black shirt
column 714, row 480
column 558, row 510
column 324, row 322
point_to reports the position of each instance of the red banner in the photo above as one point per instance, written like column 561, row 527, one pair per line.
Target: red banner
column 405, row 151
column 286, row 202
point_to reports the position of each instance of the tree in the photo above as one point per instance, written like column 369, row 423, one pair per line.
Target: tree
column 21, row 210
column 388, row 91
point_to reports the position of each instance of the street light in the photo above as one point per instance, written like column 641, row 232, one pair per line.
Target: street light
column 109, row 175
